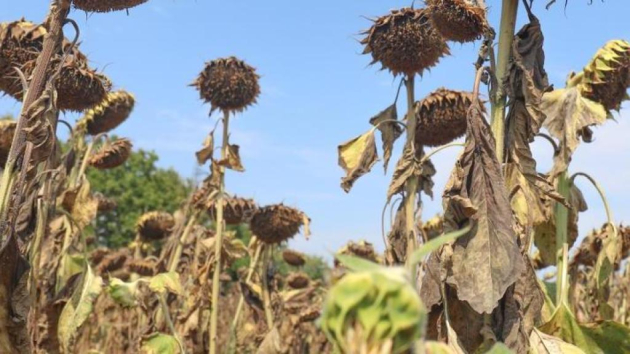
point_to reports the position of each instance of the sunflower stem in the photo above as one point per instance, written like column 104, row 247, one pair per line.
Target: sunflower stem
column 562, row 225
column 241, row 300
column 214, row 313
column 180, row 243
column 265, row 288
column 411, row 186
column 498, row 101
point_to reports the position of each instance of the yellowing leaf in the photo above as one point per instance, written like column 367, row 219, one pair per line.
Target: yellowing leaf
column 78, row 308
column 124, row 294
column 233, row 159
column 158, row 343
column 568, row 113
column 357, row 157
column 390, row 131
column 166, row 282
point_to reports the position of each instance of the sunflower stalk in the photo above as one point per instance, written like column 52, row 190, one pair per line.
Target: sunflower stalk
column 562, row 227
column 411, row 186
column 265, row 287
column 214, row 313
column 174, row 261
column 498, row 101
column 241, row 300
column 56, row 18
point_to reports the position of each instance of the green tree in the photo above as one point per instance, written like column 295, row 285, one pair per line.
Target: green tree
column 138, row 186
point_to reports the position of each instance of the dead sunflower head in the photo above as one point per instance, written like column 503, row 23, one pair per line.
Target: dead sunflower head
column 7, row 130
column 112, row 154
column 442, row 117
column 105, row 204
column 276, row 223
column 235, row 210
column 110, row 113
column 298, row 280
column 404, row 41
column 113, row 261
column 78, row 86
column 155, row 225
column 361, row 249
column 606, row 78
column 458, row 20
column 144, row 267
column 229, row 84
column 106, row 5
column 293, row 258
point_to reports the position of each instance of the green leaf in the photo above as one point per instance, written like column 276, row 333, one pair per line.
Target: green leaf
column 158, row 343
column 499, row 348
column 123, row 293
column 357, row 264
column 418, row 255
column 78, row 308
column 164, row 282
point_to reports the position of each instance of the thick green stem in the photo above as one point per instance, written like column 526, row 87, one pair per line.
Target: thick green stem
column 265, row 287
column 562, row 227
column 498, row 102
column 174, row 261
column 411, row 186
column 214, row 312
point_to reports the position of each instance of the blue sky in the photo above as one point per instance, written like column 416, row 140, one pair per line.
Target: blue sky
column 317, row 92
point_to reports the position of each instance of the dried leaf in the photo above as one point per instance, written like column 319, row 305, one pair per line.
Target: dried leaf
column 568, row 113
column 14, row 335
column 541, row 343
column 487, row 260
column 390, row 131
column 78, row 308
column 526, row 83
column 356, row 157
column 406, row 167
column 85, row 206
column 233, row 159
column 207, row 151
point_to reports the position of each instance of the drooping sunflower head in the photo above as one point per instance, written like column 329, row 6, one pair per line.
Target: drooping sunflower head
column 106, row 5
column 276, row 223
column 405, row 42
column 228, row 84
column 109, row 113
column 442, row 116
column 293, row 258
column 235, row 210
column 112, row 154
column 298, row 280
column 606, row 78
column 155, row 225
column 458, row 20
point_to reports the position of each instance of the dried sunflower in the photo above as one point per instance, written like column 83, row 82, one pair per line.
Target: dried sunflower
column 105, row 204
column 109, row 113
column 78, row 86
column 155, row 225
column 442, row 117
column 144, row 267
column 106, row 5
column 293, row 258
column 405, row 41
column 458, row 20
column 113, row 261
column 235, row 210
column 606, row 78
column 112, row 154
column 298, row 280
column 229, row 84
column 7, row 130
column 276, row 223
column 361, row 249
